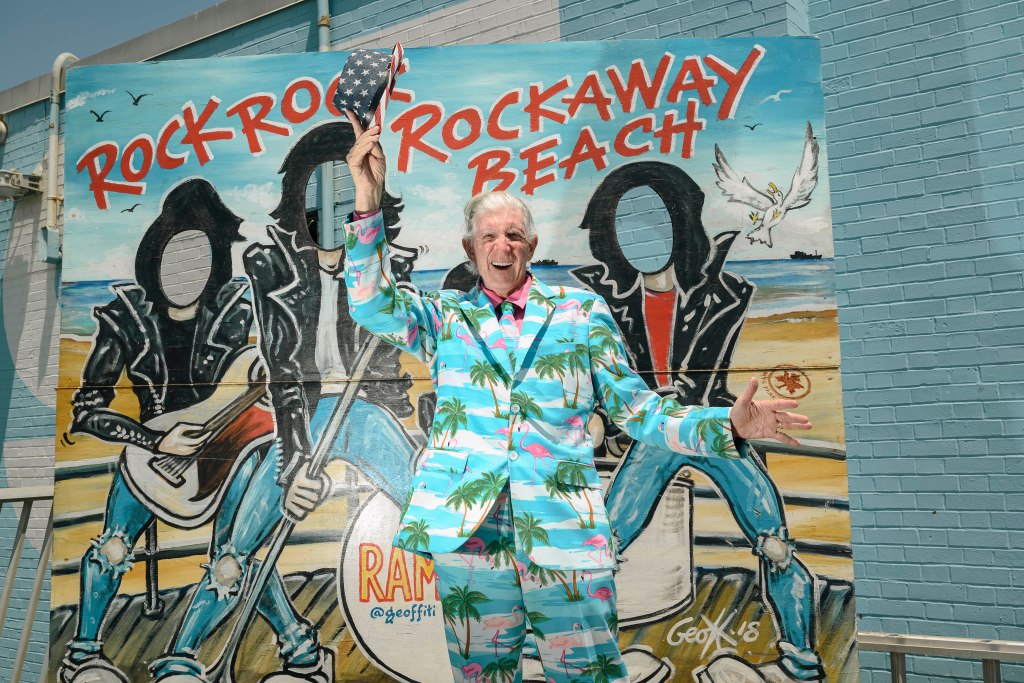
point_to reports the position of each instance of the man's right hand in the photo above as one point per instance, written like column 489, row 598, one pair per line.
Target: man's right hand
column 182, row 439
column 367, row 166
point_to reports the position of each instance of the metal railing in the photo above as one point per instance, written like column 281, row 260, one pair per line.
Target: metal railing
column 898, row 645
column 28, row 497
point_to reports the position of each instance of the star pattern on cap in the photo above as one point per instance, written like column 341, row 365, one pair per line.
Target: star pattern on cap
column 362, row 79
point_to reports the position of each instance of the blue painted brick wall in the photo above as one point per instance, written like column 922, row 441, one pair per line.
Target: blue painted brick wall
column 925, row 145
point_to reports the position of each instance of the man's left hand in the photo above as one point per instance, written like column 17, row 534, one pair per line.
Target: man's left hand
column 765, row 419
column 305, row 493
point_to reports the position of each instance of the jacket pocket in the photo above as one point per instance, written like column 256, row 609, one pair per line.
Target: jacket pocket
column 578, row 474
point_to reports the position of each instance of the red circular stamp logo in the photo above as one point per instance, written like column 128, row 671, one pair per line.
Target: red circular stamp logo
column 786, row 381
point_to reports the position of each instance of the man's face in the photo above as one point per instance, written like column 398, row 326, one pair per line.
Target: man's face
column 501, row 250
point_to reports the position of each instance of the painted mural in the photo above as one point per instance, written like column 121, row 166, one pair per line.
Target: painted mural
column 212, row 381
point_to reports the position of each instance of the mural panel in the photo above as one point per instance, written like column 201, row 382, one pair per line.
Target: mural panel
column 211, row 375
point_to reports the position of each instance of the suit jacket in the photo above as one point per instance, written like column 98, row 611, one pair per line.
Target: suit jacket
column 519, row 422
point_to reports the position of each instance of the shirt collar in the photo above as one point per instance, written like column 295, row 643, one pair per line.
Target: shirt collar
column 518, row 297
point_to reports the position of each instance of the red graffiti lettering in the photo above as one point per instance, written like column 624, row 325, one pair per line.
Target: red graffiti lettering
column 291, row 110
column 536, row 109
column 640, row 83
column 489, row 166
column 587, row 148
column 140, row 143
column 494, row 127
column 411, row 134
column 168, row 160
column 689, row 127
column 622, row 145
column 591, row 91
column 195, row 134
column 253, row 122
column 691, row 76
column 736, row 79
column 449, row 132
column 99, row 170
column 537, row 161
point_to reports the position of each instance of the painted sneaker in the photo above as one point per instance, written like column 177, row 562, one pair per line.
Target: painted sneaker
column 94, row 669
column 321, row 671
column 729, row 669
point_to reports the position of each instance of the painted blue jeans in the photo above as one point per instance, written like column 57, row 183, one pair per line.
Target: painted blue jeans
column 370, row 439
column 756, row 505
column 490, row 593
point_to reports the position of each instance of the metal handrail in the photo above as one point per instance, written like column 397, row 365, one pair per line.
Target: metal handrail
column 27, row 496
column 899, row 645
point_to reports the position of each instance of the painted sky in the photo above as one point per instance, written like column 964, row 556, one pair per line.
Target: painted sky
column 434, row 192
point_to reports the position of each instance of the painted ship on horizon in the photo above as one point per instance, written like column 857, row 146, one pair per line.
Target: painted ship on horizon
column 804, row 256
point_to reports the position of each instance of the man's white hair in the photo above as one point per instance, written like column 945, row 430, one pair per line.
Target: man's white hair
column 486, row 202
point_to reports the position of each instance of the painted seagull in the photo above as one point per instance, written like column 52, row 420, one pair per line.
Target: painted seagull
column 774, row 205
column 99, row 117
column 135, row 100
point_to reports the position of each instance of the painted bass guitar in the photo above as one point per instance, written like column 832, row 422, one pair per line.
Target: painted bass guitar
column 185, row 491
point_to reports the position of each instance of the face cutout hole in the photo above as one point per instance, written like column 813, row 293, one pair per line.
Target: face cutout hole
column 643, row 227
column 185, row 267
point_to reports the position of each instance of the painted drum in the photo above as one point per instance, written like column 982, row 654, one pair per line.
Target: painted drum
column 655, row 577
column 389, row 598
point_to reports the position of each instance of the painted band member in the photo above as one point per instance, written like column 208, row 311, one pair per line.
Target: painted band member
column 510, row 480
column 681, row 325
column 309, row 344
column 173, row 355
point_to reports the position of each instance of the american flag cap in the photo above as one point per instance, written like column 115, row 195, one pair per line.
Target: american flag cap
column 363, row 82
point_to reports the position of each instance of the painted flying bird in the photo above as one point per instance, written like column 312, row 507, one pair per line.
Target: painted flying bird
column 135, row 100
column 774, row 205
column 777, row 97
column 132, row 209
column 99, row 117
column 753, row 126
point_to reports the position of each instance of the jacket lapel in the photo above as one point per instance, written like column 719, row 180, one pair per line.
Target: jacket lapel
column 539, row 309
column 483, row 325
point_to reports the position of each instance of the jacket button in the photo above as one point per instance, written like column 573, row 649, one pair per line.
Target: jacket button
column 515, row 408
column 513, row 455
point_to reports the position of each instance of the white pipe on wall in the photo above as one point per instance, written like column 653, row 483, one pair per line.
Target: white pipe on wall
column 327, row 241
column 49, row 242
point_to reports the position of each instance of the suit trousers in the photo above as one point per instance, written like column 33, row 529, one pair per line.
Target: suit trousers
column 491, row 593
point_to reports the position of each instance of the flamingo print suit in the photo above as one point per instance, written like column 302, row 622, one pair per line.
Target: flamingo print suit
column 506, row 410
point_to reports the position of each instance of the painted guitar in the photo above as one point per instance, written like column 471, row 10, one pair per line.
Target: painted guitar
column 185, row 491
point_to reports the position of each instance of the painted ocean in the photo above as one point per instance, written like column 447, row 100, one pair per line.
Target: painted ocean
column 783, row 286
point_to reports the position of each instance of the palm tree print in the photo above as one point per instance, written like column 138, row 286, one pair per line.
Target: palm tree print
column 504, row 669
column 490, row 486
column 573, row 473
column 461, row 604
column 482, row 373
column 503, row 550
column 550, row 366
column 527, row 408
column 416, row 535
column 465, row 496
column 604, row 348
column 555, row 487
column 716, row 432
column 537, row 618
column 604, row 669
column 449, row 418
column 530, row 530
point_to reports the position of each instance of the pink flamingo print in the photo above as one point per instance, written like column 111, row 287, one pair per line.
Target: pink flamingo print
column 603, row 593
column 536, row 450
column 467, row 341
column 477, row 547
column 368, row 232
column 502, row 623
column 567, row 642
column 499, row 343
column 472, row 671
column 363, row 292
column 524, row 572
column 576, row 423
column 599, row 543
column 672, row 438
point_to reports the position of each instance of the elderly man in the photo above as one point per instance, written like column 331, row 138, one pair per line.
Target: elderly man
column 508, row 502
